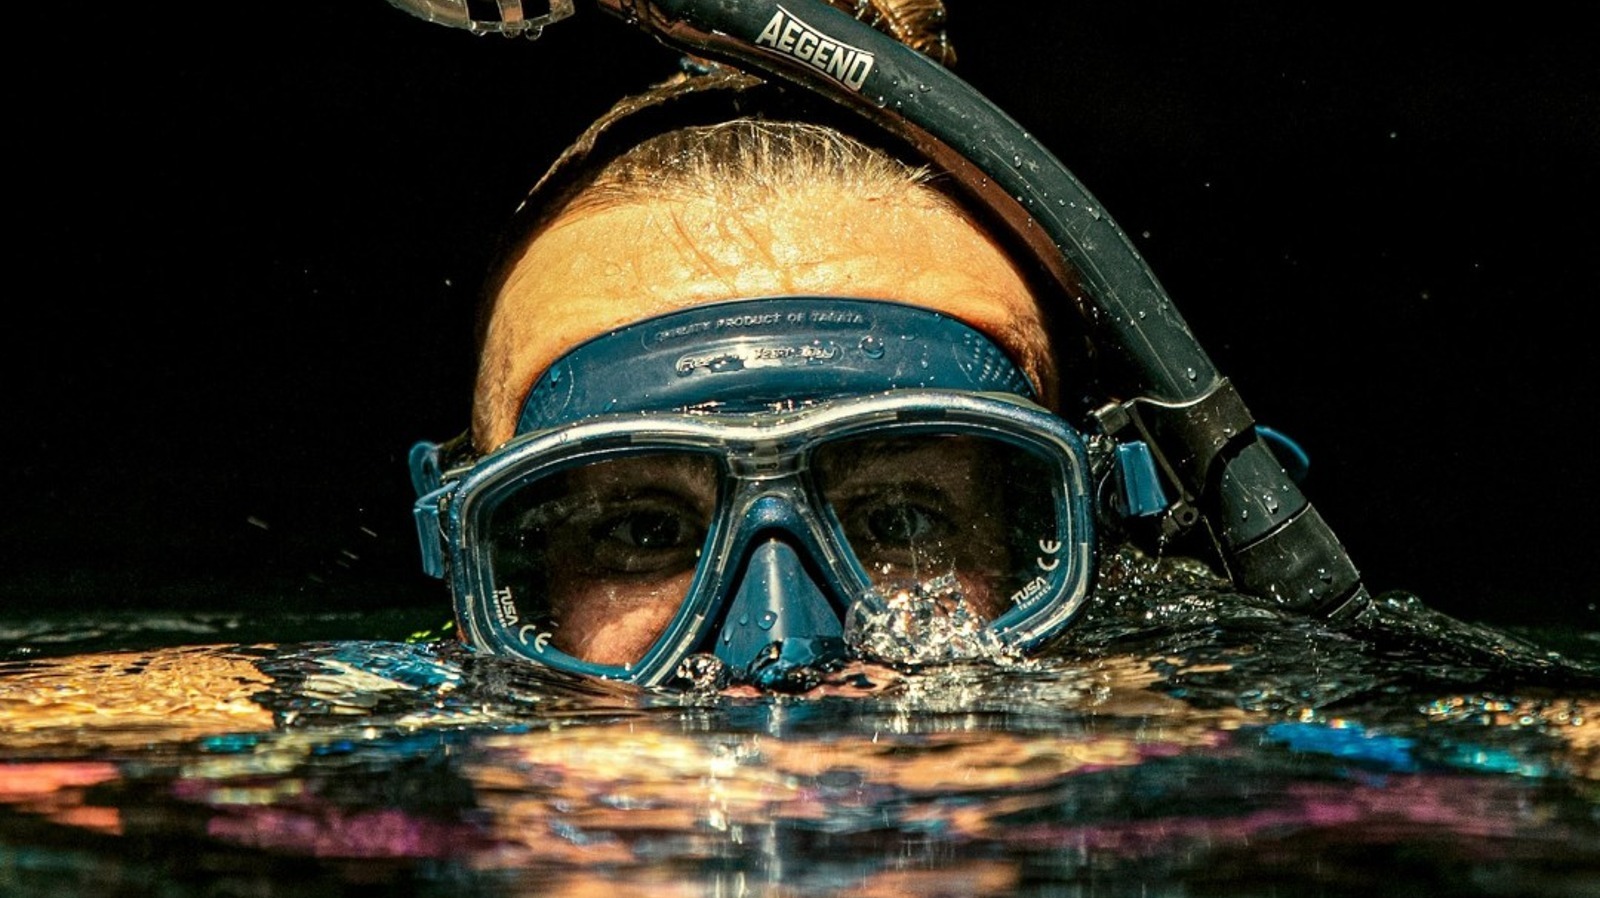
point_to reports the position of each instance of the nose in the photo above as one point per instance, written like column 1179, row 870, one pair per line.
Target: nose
column 778, row 602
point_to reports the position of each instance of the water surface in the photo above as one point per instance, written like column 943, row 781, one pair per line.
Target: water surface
column 1182, row 741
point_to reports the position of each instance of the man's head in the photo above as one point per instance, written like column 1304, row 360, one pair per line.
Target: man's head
column 758, row 294
column 758, row 391
column 744, row 209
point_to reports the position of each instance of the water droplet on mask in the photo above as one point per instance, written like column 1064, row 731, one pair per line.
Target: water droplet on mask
column 767, row 620
column 872, row 347
column 703, row 673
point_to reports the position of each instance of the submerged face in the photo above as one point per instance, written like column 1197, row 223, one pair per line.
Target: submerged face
column 595, row 270
column 613, row 572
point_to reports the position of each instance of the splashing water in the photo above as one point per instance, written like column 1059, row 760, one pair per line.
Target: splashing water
column 921, row 623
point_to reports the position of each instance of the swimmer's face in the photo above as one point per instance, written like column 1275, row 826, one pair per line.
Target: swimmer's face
column 596, row 269
column 610, row 549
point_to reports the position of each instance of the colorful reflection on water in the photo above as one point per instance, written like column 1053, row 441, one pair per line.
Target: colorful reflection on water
column 1195, row 744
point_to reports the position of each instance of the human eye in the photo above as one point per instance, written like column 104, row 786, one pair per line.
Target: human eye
column 635, row 515
column 643, row 535
column 901, row 523
column 899, row 519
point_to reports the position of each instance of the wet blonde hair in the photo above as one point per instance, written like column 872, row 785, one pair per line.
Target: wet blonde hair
column 750, row 160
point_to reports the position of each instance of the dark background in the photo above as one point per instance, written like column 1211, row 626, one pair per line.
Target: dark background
column 246, row 239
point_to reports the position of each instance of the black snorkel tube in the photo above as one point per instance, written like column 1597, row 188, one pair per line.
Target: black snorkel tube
column 1226, row 477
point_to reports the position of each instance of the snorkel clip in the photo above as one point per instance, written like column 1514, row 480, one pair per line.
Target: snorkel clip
column 1230, row 477
column 1215, row 421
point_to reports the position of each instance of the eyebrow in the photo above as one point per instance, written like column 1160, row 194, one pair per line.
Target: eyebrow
column 891, row 461
column 686, row 478
column 693, row 475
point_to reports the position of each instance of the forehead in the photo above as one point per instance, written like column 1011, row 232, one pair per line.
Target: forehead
column 602, row 267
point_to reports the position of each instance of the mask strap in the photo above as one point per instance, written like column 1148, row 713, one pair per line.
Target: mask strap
column 757, row 354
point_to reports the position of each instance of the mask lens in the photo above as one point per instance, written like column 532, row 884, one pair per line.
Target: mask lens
column 963, row 516
column 608, row 547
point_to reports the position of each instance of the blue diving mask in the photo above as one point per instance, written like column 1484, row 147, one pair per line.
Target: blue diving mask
column 772, row 483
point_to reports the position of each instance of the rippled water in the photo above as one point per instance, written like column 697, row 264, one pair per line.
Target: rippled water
column 1182, row 742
